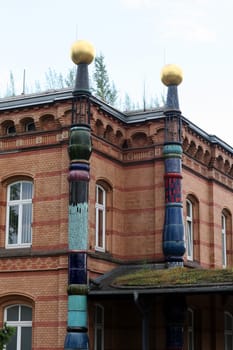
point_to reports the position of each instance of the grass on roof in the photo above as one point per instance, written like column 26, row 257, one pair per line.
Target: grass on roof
column 173, row 277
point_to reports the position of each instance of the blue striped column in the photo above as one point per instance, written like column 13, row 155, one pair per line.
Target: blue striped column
column 173, row 232
column 79, row 151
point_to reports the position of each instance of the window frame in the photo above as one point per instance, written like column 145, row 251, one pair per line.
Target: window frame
column 99, row 326
column 224, row 239
column 190, row 329
column 30, row 126
column 19, row 203
column 10, row 129
column 189, row 230
column 228, row 332
column 100, row 208
column 19, row 324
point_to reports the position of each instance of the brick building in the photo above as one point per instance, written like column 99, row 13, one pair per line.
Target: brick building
column 127, row 203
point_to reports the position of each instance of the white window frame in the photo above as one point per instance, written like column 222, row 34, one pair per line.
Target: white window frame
column 190, row 340
column 189, row 230
column 17, row 324
column 224, row 239
column 228, row 332
column 99, row 328
column 100, row 207
column 20, row 204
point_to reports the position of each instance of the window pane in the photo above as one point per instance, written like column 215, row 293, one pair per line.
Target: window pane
column 100, row 229
column 190, row 341
column 189, row 239
column 26, row 223
column 100, row 196
column 190, row 318
column 26, row 338
column 98, row 315
column 188, row 209
column 30, row 126
column 12, row 313
column 228, row 342
column 10, row 129
column 13, row 224
column 12, row 345
column 26, row 190
column 99, row 339
column 15, row 191
column 26, row 313
column 228, row 322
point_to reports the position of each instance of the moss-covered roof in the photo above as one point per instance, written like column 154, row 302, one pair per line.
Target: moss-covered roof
column 174, row 277
column 156, row 279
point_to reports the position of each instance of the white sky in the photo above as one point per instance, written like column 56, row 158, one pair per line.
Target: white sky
column 137, row 37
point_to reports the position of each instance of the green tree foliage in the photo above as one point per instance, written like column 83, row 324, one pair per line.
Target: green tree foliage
column 10, row 91
column 53, row 79
column 70, row 77
column 5, row 335
column 103, row 88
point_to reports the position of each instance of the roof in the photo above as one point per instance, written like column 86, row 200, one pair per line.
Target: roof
column 156, row 279
column 129, row 117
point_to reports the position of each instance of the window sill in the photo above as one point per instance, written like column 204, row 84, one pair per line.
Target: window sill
column 15, row 252
column 100, row 250
column 18, row 246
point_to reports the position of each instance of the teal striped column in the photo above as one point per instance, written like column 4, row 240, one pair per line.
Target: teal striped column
column 79, row 151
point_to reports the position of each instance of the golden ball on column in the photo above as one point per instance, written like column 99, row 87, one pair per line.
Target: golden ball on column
column 171, row 74
column 82, row 52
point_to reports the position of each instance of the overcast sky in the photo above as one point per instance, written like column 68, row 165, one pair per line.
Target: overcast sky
column 137, row 37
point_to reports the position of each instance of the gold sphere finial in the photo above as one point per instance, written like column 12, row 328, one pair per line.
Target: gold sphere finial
column 82, row 52
column 171, row 74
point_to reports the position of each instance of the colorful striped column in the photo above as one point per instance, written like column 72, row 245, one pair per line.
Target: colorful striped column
column 173, row 233
column 79, row 151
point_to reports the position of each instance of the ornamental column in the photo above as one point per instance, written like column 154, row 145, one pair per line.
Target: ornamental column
column 82, row 54
column 173, row 232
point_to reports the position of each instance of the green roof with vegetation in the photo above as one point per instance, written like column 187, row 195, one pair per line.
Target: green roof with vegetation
column 174, row 277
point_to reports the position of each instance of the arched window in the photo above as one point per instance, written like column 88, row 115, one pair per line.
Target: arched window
column 224, row 240
column 100, row 216
column 192, row 228
column 30, row 126
column 226, row 237
column 19, row 214
column 20, row 317
column 228, row 331
column 189, row 229
column 99, row 328
column 10, row 129
column 190, row 329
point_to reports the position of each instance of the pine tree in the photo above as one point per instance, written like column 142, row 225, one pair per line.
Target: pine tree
column 10, row 91
column 70, row 77
column 103, row 88
column 54, row 80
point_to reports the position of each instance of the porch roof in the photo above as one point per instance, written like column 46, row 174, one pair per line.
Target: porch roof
column 157, row 279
